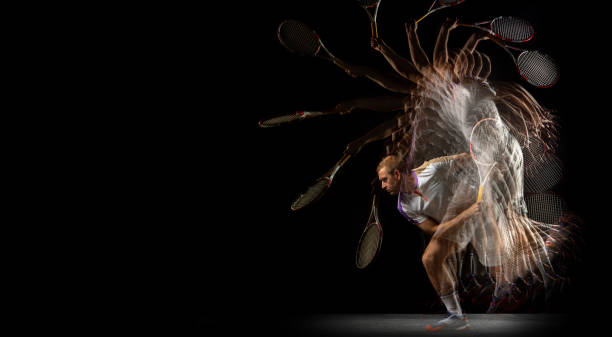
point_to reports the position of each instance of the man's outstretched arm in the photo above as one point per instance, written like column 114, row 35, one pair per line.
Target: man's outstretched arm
column 448, row 225
column 401, row 65
column 375, row 103
column 389, row 81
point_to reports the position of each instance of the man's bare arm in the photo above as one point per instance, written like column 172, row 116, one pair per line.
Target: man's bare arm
column 459, row 219
column 428, row 226
column 441, row 48
column 389, row 81
column 419, row 58
column 474, row 39
column 400, row 64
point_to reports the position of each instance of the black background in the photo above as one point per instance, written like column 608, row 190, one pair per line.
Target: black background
column 240, row 251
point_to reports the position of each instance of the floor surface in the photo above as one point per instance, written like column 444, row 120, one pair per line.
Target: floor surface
column 378, row 325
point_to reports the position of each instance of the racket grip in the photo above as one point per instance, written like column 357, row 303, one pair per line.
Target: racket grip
column 498, row 42
column 479, row 194
column 423, row 17
column 427, row 14
column 340, row 64
column 346, row 158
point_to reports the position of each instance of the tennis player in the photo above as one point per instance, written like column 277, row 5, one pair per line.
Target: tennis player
column 423, row 199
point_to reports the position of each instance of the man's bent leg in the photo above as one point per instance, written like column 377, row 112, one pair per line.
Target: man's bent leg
column 434, row 259
column 442, row 278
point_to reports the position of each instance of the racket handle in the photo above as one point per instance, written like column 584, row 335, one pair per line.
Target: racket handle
column 423, row 17
column 340, row 64
column 338, row 165
column 473, row 26
column 500, row 43
column 346, row 157
column 479, row 194
column 429, row 12
column 374, row 28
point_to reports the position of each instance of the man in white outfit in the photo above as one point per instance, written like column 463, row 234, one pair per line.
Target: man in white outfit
column 424, row 197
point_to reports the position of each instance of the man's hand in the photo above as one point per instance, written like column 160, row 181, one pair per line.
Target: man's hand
column 377, row 44
column 472, row 210
column 482, row 35
column 450, row 24
column 411, row 26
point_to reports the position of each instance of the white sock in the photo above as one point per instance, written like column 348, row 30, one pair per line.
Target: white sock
column 451, row 302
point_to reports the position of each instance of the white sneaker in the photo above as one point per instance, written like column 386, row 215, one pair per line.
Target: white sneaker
column 451, row 322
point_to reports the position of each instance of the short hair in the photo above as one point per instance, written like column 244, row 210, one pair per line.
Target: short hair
column 391, row 163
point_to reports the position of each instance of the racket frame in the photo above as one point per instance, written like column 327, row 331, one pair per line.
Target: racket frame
column 516, row 59
column 317, row 53
column 329, row 56
column 329, row 176
column 301, row 115
column 491, row 32
column 373, row 220
column 478, row 163
column 431, row 10
column 373, row 24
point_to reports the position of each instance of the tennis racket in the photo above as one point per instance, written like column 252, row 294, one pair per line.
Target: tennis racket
column 484, row 149
column 300, row 39
column 536, row 67
column 290, row 118
column 371, row 239
column 316, row 191
column 371, row 8
column 507, row 28
column 440, row 5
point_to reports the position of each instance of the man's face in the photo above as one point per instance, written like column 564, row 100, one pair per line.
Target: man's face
column 390, row 182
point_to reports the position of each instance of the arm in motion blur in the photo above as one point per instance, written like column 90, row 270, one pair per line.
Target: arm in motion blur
column 389, row 81
column 375, row 103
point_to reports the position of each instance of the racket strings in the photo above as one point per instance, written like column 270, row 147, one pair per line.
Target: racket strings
column 543, row 176
column 485, row 146
column 547, row 208
column 533, row 151
column 542, row 169
column 314, row 192
column 298, row 38
column 538, row 68
column 369, row 245
column 512, row 29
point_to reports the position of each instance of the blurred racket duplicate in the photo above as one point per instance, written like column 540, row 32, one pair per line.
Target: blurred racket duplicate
column 371, row 8
column 371, row 239
column 300, row 39
column 441, row 4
